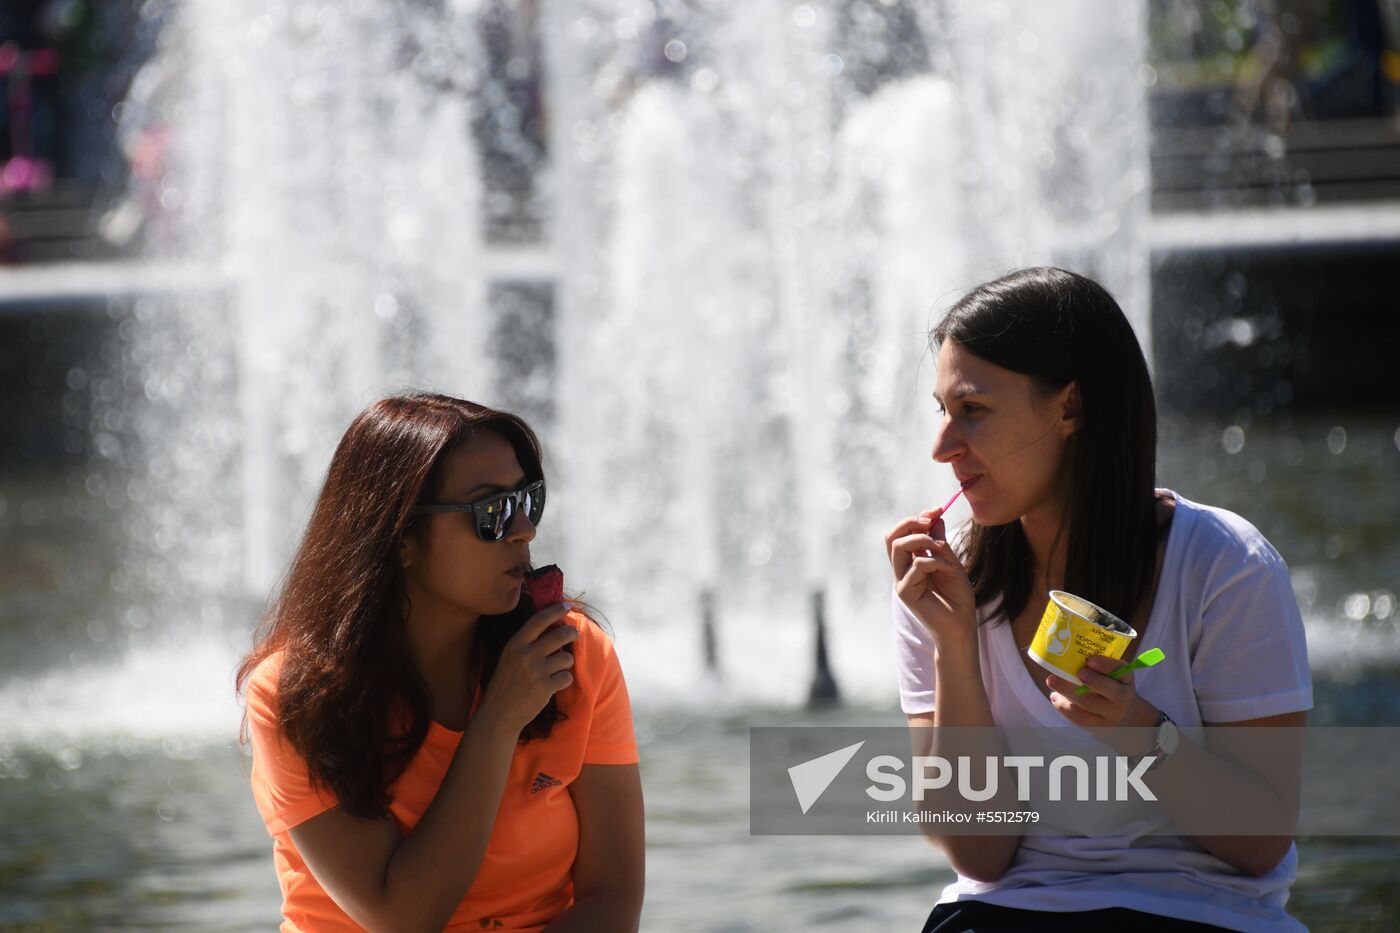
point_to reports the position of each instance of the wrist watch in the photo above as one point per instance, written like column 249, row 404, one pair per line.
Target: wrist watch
column 1168, row 738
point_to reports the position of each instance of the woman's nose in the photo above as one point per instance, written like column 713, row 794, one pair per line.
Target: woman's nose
column 947, row 446
column 521, row 528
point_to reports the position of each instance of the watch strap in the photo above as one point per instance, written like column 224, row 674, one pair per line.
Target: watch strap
column 1156, row 750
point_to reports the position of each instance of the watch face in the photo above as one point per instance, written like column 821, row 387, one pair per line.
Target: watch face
column 1167, row 736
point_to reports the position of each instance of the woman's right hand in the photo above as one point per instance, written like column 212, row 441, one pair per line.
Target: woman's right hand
column 534, row 666
column 930, row 579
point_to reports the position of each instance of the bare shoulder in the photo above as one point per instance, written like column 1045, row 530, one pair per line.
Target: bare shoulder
column 1166, row 508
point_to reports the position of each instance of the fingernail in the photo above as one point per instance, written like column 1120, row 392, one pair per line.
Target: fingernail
column 924, row 520
column 567, row 606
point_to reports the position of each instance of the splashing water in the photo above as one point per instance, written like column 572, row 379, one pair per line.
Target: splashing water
column 753, row 214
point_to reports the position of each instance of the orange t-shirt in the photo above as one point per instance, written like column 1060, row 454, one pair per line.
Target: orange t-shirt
column 525, row 879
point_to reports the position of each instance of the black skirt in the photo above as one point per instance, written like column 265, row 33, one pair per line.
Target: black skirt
column 977, row 917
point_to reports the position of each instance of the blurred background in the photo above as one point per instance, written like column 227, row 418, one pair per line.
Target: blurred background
column 699, row 245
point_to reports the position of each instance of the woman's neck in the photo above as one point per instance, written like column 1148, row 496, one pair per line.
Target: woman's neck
column 1047, row 533
column 440, row 639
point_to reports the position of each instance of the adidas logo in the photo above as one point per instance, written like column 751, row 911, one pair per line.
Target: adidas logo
column 543, row 781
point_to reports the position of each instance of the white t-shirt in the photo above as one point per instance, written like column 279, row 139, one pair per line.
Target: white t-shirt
column 1225, row 615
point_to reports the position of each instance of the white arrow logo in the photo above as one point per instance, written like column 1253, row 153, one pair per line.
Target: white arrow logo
column 811, row 778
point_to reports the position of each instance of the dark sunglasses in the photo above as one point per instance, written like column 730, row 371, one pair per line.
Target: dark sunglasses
column 496, row 512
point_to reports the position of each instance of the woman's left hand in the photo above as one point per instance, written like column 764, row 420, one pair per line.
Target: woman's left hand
column 1110, row 702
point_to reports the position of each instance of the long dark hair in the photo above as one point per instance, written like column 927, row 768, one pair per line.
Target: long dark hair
column 1059, row 327
column 349, row 699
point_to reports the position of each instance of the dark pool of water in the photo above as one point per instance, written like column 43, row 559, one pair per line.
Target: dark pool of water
column 102, row 832
column 144, row 835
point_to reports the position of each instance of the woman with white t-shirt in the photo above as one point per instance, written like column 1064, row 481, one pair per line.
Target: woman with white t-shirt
column 1048, row 420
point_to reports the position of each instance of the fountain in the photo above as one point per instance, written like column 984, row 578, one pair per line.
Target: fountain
column 753, row 213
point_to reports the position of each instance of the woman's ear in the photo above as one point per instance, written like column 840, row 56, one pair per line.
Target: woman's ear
column 1072, row 412
column 408, row 550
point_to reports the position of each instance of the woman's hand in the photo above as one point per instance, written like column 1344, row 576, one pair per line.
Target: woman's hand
column 930, row 579
column 534, row 666
column 1111, row 702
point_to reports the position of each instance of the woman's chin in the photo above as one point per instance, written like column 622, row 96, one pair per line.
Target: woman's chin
column 987, row 516
column 498, row 604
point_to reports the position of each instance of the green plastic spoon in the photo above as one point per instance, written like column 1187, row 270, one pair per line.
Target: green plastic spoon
column 1148, row 658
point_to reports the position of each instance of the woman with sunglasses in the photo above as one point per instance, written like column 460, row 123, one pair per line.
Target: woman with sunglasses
column 1048, row 421
column 430, row 749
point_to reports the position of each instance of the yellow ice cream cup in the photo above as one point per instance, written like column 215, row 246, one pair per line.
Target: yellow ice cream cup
column 1072, row 630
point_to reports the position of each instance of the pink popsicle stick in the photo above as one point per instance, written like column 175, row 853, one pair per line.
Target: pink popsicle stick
column 944, row 509
column 952, row 500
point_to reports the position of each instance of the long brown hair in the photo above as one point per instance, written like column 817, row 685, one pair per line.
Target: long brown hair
column 349, row 699
column 1059, row 327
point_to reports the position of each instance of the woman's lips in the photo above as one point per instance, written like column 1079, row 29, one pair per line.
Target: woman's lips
column 970, row 482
